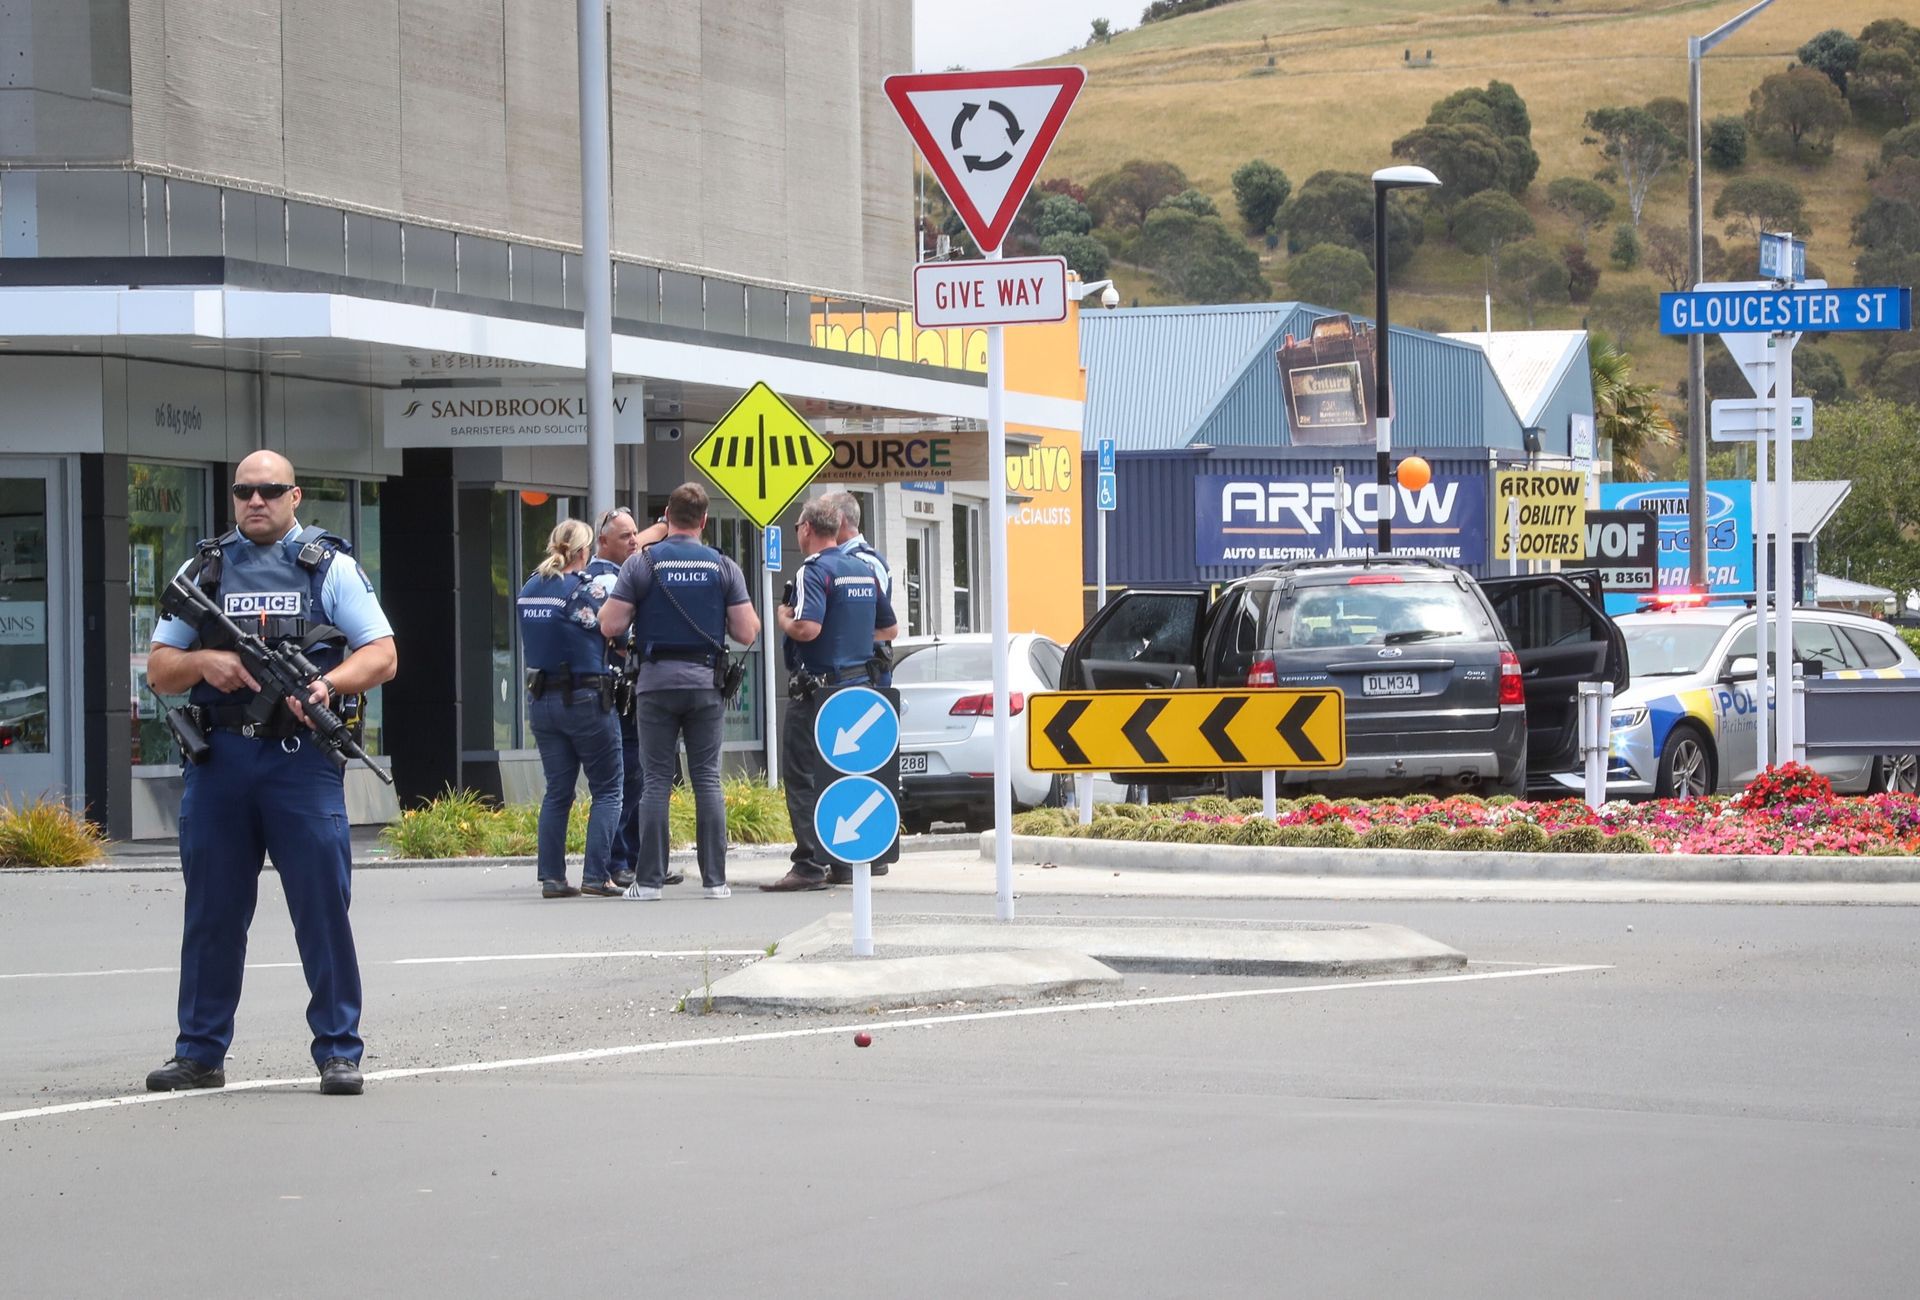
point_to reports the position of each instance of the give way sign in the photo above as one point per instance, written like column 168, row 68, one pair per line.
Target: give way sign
column 985, row 134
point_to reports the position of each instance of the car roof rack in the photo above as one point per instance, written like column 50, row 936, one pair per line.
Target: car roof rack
column 1353, row 561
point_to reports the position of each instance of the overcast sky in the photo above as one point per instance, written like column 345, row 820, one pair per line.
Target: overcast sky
column 987, row 34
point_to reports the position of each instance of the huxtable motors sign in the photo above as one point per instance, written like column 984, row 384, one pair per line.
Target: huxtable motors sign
column 1013, row 291
column 504, row 417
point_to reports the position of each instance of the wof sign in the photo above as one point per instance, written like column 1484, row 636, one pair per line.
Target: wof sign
column 1624, row 545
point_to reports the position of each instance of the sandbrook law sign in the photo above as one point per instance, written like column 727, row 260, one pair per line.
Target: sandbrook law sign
column 504, row 417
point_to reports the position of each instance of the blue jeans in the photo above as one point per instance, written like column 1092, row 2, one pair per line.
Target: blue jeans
column 666, row 718
column 626, row 840
column 572, row 737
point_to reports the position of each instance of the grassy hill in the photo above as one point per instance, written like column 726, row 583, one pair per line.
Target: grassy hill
column 1313, row 84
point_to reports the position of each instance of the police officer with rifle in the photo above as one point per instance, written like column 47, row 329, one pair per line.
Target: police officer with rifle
column 836, row 615
column 275, row 633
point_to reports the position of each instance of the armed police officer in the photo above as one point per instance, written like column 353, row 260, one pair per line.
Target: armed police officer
column 570, row 706
column 837, row 615
column 267, row 787
column 619, row 538
column 682, row 599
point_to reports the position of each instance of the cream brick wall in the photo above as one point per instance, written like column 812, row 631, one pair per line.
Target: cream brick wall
column 751, row 138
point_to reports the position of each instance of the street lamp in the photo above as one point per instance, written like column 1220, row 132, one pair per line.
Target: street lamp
column 1387, row 178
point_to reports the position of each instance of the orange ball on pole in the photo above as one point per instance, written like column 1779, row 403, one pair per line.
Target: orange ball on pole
column 1414, row 473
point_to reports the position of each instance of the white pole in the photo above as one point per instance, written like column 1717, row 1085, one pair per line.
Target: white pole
column 1513, row 535
column 1783, row 593
column 1339, row 514
column 1083, row 795
column 1100, row 563
column 997, row 579
column 1762, row 591
column 1269, row 794
column 863, row 909
column 768, row 675
column 596, row 258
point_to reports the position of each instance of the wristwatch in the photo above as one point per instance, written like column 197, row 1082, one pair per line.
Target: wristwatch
column 333, row 692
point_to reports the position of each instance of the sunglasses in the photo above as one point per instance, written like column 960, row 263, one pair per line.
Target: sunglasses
column 267, row 491
column 613, row 514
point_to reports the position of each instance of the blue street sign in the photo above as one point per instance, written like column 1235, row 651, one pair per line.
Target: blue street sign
column 1106, row 454
column 1771, row 311
column 1107, row 490
column 1773, row 256
column 856, row 819
column 856, row 730
column 770, row 542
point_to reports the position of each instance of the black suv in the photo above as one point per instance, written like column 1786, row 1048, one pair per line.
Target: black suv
column 1449, row 682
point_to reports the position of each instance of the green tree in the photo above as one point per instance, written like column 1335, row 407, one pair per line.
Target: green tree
column 1259, row 188
column 1626, row 413
column 1669, row 255
column 1625, row 253
column 1199, row 259
column 1797, row 109
column 1125, row 195
column 1725, row 144
column 1878, row 527
column 1581, row 202
column 1334, row 207
column 1083, row 252
column 1191, row 200
column 1757, row 203
column 1833, row 54
column 1671, row 113
column 1498, row 107
column 1530, row 274
column 1903, row 142
column 1467, row 158
column 1583, row 277
column 1639, row 145
column 1102, row 32
column 1886, row 86
column 1061, row 215
column 1487, row 223
column 1818, row 374
column 1330, row 275
column 1497, row 110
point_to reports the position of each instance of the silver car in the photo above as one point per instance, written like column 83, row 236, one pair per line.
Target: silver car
column 1687, row 724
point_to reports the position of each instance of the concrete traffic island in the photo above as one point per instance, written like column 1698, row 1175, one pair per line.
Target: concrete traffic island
column 934, row 959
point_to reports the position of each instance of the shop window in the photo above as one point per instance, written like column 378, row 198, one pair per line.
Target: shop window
column 166, row 514
column 966, row 566
column 23, row 616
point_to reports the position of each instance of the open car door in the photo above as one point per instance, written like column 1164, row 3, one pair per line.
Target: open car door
column 1141, row 640
column 1559, row 628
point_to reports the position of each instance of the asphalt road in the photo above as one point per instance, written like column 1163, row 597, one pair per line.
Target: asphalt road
column 1728, row 1108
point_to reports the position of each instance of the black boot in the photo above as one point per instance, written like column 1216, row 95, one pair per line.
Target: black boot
column 180, row 1074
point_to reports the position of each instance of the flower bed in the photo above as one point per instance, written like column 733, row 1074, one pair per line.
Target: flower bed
column 1787, row 810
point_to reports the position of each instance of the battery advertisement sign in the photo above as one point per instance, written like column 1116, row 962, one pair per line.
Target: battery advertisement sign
column 1248, row 521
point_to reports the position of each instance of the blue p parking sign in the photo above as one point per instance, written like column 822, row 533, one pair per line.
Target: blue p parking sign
column 770, row 544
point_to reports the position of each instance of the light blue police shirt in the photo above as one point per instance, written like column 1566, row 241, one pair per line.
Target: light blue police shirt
column 346, row 596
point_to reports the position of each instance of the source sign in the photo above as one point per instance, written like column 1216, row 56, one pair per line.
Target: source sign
column 1106, row 493
column 1552, row 508
column 1771, row 310
column 1186, row 731
column 985, row 135
column 1625, row 546
column 1744, row 419
column 922, row 456
column 1008, row 291
column 761, row 454
column 856, row 730
column 857, row 820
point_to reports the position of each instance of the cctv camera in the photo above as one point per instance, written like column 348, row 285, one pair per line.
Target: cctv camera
column 1109, row 297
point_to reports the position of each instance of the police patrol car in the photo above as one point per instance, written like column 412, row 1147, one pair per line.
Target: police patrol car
column 1687, row 724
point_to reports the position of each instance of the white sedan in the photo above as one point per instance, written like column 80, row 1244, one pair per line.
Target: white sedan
column 946, row 725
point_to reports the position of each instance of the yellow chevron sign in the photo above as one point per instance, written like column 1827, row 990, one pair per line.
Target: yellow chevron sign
column 762, row 454
column 1186, row 731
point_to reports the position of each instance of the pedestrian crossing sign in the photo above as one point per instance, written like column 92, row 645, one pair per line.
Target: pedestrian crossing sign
column 762, row 454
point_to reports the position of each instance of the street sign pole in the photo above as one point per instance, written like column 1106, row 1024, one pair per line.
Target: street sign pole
column 1783, row 545
column 997, row 602
column 1762, row 593
column 769, row 561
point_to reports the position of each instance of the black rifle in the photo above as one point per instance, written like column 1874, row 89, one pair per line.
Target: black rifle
column 281, row 670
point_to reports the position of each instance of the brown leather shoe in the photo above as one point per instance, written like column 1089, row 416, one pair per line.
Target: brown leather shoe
column 793, row 882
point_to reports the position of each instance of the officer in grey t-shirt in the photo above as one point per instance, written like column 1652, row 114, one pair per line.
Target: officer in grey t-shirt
column 683, row 599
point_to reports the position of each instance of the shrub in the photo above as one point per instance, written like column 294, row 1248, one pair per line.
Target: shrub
column 1783, row 786
column 1192, row 832
column 1383, row 837
column 756, row 813
column 1131, row 811
column 454, row 824
column 1308, row 800
column 47, row 833
column 1577, row 839
column 1256, row 831
column 1502, row 800
column 1426, row 835
column 1216, row 804
column 1160, row 831
column 1295, row 837
column 1523, row 837
column 1625, row 253
column 1473, row 839
column 1250, row 806
column 1725, row 143
column 1114, row 828
column 1041, row 821
column 1332, row 835
column 1629, row 842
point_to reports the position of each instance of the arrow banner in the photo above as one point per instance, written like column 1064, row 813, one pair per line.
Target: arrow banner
column 1186, row 731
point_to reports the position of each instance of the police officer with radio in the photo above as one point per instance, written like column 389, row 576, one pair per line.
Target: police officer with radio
column 837, row 614
column 854, row 543
column 682, row 600
column 619, row 538
column 256, row 787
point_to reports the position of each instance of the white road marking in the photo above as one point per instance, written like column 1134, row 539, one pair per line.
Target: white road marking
column 411, row 961
column 781, row 1035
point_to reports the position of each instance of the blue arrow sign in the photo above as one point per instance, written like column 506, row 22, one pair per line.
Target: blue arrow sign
column 856, row 819
column 1771, row 311
column 1106, row 454
column 770, row 544
column 856, row 730
column 1107, row 490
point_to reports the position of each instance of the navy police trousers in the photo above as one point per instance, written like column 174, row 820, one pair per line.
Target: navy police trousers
column 250, row 799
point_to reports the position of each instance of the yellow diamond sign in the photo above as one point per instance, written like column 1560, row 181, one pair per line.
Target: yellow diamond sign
column 762, row 454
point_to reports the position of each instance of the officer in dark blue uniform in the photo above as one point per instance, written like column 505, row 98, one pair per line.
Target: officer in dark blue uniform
column 620, row 538
column 570, row 708
column 838, row 613
column 269, row 788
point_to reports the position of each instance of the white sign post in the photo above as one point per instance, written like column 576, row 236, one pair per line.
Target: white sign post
column 1783, row 593
column 985, row 135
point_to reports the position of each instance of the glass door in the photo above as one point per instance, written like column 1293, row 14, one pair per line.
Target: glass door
column 37, row 744
column 918, row 612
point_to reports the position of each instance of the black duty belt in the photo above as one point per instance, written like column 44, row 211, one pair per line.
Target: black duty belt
column 233, row 717
column 702, row 657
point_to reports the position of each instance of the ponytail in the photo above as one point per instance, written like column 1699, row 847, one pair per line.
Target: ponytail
column 570, row 538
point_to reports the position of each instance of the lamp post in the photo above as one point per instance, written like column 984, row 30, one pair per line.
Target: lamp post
column 1387, row 178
